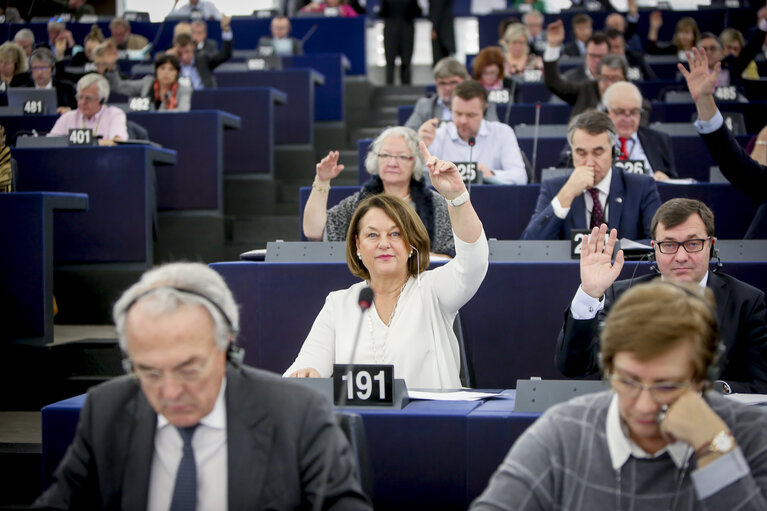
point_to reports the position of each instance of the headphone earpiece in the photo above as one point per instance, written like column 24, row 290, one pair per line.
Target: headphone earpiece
column 616, row 152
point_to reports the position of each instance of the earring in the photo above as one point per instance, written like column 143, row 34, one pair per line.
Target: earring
column 411, row 254
column 359, row 255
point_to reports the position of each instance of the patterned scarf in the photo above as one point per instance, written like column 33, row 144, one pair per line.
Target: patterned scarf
column 170, row 98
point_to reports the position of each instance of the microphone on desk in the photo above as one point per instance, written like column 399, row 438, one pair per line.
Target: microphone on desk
column 472, row 143
column 365, row 301
column 535, row 136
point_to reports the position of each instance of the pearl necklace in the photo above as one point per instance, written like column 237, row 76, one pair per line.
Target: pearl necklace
column 379, row 351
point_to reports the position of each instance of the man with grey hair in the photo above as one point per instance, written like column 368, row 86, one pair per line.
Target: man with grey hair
column 192, row 428
column 26, row 39
column 122, row 37
column 108, row 123
column 596, row 192
column 432, row 111
column 42, row 65
column 536, row 37
column 643, row 150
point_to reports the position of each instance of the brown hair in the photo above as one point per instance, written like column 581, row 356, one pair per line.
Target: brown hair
column 470, row 89
column 488, row 56
column 729, row 35
column 95, row 34
column 686, row 23
column 676, row 211
column 411, row 227
column 651, row 319
column 182, row 39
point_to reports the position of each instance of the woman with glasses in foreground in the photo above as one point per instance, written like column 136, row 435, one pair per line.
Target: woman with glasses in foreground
column 409, row 323
column 396, row 166
column 659, row 438
column 108, row 123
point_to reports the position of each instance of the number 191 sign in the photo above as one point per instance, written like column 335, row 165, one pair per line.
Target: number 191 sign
column 363, row 384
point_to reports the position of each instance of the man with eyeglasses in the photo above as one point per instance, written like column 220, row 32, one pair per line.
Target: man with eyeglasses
column 658, row 439
column 642, row 150
column 190, row 427
column 586, row 94
column 683, row 242
column 108, row 123
column 41, row 65
column 434, row 110
column 594, row 50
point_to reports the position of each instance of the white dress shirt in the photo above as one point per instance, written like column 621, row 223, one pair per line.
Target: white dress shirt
column 604, row 192
column 210, row 455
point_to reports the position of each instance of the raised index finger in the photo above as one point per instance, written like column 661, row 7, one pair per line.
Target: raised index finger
column 424, row 150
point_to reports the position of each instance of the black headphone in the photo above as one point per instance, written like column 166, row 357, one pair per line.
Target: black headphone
column 234, row 353
column 617, row 153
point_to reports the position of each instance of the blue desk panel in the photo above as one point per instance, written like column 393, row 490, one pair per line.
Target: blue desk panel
column 510, row 325
column 119, row 182
column 251, row 148
column 329, row 35
column 26, row 283
column 197, row 136
column 425, row 456
column 293, row 120
column 329, row 97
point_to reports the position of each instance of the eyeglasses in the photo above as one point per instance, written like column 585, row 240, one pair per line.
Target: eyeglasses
column 37, row 69
column 662, row 393
column 188, row 373
column 399, row 157
column 620, row 112
column 450, row 83
column 86, row 98
column 690, row 246
column 596, row 56
column 610, row 79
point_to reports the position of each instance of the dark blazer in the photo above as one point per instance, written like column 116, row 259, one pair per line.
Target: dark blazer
column 632, row 202
column 657, row 147
column 581, row 95
column 743, row 172
column 209, row 46
column 65, row 92
column 742, row 329
column 278, row 433
column 571, row 49
column 206, row 63
column 576, row 74
column 266, row 42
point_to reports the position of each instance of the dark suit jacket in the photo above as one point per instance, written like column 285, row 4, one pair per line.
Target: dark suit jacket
column 632, row 202
column 65, row 92
column 571, row 49
column 657, row 147
column 206, row 63
column 278, row 433
column 266, row 42
column 209, row 46
column 581, row 95
column 744, row 173
column 742, row 329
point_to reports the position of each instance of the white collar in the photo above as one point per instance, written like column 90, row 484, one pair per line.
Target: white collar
column 452, row 131
column 604, row 184
column 49, row 86
column 216, row 418
column 703, row 282
column 621, row 446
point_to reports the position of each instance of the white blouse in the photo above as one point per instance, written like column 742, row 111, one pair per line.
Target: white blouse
column 419, row 342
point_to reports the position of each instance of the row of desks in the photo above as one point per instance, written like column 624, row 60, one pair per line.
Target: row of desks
column 429, row 455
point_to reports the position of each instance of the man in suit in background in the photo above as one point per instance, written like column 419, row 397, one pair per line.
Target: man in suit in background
column 200, row 37
column 596, row 47
column 582, row 25
column 188, row 428
column 683, row 244
column 41, row 65
column 596, row 192
column 196, row 66
column 280, row 43
column 643, row 150
column 738, row 167
column 122, row 37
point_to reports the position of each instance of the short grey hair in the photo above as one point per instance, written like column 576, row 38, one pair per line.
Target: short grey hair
column 91, row 78
column 200, row 23
column 615, row 62
column 42, row 55
column 621, row 89
column 450, row 66
column 532, row 14
column 166, row 288
column 411, row 139
column 592, row 122
column 24, row 34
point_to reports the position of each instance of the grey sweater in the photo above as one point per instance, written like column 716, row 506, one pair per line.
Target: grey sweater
column 562, row 462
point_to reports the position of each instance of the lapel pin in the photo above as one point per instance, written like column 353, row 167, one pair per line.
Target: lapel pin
column 619, row 200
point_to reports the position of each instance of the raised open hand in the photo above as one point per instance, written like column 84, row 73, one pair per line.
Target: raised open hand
column 328, row 167
column 597, row 270
column 699, row 79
